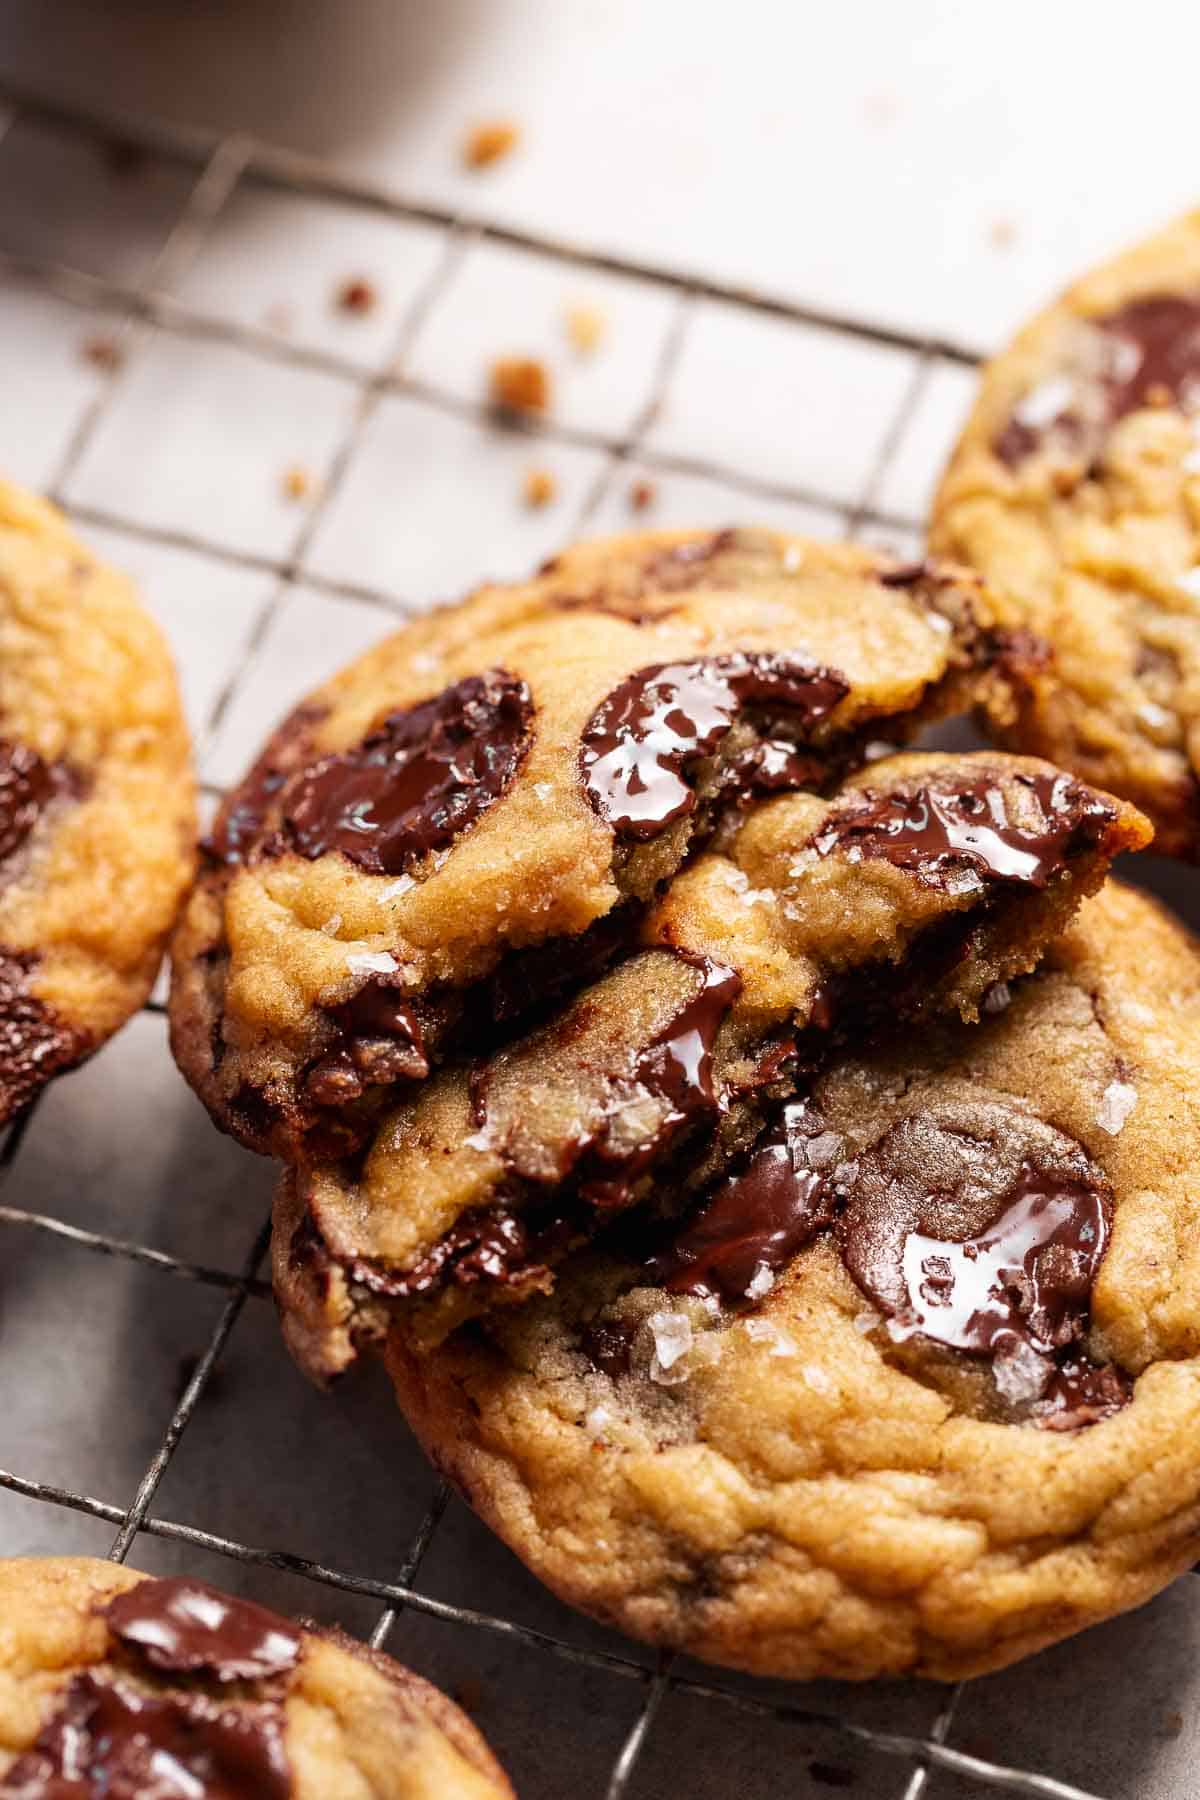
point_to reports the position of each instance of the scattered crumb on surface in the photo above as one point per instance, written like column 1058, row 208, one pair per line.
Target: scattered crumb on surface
column 103, row 353
column 881, row 109
column 642, row 494
column 356, row 295
column 490, row 142
column 519, row 384
column 1172, row 1725
column 297, row 482
column 540, row 487
column 586, row 326
column 1002, row 234
column 278, row 317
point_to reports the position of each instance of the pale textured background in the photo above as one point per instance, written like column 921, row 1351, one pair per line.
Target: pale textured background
column 930, row 170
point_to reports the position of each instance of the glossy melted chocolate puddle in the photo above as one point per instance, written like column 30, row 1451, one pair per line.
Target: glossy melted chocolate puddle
column 651, row 730
column 114, row 1737
column 1016, row 1292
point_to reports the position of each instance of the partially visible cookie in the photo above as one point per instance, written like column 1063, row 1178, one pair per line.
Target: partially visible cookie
column 916, row 1388
column 513, row 779
column 921, row 884
column 115, row 1686
column 96, row 799
column 1075, row 491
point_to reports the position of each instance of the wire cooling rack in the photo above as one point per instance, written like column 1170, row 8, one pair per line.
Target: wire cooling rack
column 134, row 312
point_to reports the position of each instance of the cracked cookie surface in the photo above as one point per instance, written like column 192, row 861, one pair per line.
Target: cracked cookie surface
column 96, row 799
column 915, row 1388
column 507, row 783
column 1075, row 491
column 921, row 883
column 115, row 1684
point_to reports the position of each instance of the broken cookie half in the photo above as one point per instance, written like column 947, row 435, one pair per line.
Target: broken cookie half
column 922, row 886
column 489, row 800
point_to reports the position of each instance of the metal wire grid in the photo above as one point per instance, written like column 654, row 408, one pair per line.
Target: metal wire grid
column 142, row 308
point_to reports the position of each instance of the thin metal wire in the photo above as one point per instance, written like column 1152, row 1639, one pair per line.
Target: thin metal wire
column 148, row 306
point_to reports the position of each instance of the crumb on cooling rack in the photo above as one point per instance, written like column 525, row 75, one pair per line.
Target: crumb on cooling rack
column 1002, row 234
column 586, row 326
column 642, row 494
column 519, row 384
column 297, row 482
column 356, row 295
column 539, row 487
column 103, row 353
column 490, row 141
column 278, row 318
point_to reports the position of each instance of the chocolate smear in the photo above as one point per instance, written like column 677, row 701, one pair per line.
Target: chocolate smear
column 652, row 729
column 27, row 786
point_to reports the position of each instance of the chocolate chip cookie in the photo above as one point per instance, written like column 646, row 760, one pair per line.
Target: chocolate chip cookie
column 919, row 886
column 1075, row 491
column 484, row 805
column 113, row 1684
column 913, row 1388
column 96, row 799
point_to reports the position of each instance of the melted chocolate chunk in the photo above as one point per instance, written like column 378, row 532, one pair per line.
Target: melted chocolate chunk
column 190, row 1628
column 241, row 824
column 27, row 786
column 928, row 831
column 1150, row 356
column 675, row 1068
column 110, row 1741
column 416, row 783
column 533, row 980
column 959, row 1242
column 759, row 1219
column 651, row 729
column 380, row 1042
column 34, row 1042
column 490, row 1243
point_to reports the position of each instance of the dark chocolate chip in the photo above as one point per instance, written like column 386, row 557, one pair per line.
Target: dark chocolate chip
column 641, row 741
column 380, row 1042
column 416, row 783
column 241, row 824
column 27, row 786
column 34, row 1042
column 930, row 830
column 111, row 1741
column 758, row 1219
column 190, row 1628
column 608, row 1345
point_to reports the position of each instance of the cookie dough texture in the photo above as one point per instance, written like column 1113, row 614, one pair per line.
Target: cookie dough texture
column 96, row 799
column 795, row 1489
column 791, row 657
column 1075, row 492
column 276, row 1710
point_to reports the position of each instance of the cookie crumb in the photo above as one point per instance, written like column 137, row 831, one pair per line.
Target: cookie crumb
column 540, row 487
column 103, row 353
column 356, row 295
column 278, row 318
column 519, row 384
column 490, row 142
column 586, row 326
column 1172, row 1725
column 642, row 494
column 297, row 482
column 1002, row 234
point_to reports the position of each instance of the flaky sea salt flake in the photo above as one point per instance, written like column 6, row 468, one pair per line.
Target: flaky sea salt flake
column 1116, row 1103
column 371, row 962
